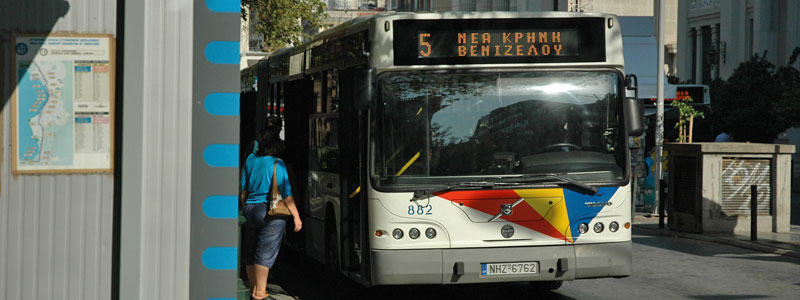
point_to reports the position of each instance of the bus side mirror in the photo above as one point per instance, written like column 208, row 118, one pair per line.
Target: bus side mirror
column 633, row 116
column 364, row 85
column 632, row 107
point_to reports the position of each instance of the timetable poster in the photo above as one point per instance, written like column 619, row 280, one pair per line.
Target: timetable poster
column 62, row 106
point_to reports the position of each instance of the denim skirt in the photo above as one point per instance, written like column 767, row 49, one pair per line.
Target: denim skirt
column 262, row 235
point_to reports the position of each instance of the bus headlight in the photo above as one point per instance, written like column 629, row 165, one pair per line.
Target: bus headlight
column 413, row 233
column 598, row 227
column 583, row 228
column 397, row 233
column 430, row 233
column 614, row 226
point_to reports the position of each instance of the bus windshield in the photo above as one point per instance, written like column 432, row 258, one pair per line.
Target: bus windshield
column 436, row 128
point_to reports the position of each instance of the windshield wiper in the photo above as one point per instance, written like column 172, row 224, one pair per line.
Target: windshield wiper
column 469, row 185
column 526, row 179
column 576, row 185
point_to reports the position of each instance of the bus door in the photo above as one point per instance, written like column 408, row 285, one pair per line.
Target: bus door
column 296, row 104
column 324, row 171
column 323, row 181
column 353, row 144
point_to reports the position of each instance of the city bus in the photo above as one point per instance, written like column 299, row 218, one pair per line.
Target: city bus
column 452, row 148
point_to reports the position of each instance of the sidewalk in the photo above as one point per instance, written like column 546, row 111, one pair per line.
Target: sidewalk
column 786, row 244
column 275, row 291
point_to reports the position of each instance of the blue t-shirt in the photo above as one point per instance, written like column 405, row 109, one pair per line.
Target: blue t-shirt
column 257, row 178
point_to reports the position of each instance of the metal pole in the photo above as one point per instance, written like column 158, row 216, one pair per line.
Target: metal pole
column 659, row 104
column 661, row 207
column 754, row 212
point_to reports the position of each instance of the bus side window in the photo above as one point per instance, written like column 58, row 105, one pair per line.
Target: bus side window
column 319, row 96
column 324, row 152
column 273, row 104
column 325, row 144
column 332, row 103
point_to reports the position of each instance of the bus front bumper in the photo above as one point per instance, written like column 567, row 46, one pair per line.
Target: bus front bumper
column 457, row 266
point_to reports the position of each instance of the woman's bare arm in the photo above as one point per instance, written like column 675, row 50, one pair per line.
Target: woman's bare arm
column 298, row 224
column 242, row 198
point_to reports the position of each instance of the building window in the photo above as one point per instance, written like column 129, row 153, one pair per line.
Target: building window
column 487, row 5
column 707, row 54
column 748, row 44
column 716, row 52
column 412, row 5
column 339, row 5
column 693, row 71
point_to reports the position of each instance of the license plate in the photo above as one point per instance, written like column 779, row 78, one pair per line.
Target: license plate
column 511, row 268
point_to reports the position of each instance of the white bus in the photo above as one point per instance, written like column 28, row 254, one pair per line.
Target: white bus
column 449, row 148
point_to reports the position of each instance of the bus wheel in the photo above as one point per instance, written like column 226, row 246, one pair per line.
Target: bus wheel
column 332, row 248
column 547, row 285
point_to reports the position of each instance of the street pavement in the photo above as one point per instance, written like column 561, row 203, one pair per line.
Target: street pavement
column 667, row 265
column 786, row 244
column 670, row 266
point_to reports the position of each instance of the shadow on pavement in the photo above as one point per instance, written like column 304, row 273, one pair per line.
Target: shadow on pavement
column 696, row 247
column 725, row 296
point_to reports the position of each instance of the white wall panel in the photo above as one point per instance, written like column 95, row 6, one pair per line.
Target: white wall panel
column 55, row 230
column 165, row 75
column 167, row 149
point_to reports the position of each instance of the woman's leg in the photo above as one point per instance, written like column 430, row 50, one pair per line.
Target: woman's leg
column 251, row 276
column 260, row 287
column 269, row 242
column 249, row 241
column 254, row 213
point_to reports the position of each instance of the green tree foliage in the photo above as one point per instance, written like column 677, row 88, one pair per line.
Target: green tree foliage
column 285, row 22
column 758, row 102
column 685, row 123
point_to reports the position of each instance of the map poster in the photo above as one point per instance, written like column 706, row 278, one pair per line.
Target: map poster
column 63, row 106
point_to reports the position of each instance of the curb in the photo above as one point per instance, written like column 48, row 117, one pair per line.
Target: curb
column 728, row 241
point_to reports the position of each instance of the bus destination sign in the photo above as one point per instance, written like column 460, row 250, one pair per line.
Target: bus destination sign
column 469, row 41
column 495, row 43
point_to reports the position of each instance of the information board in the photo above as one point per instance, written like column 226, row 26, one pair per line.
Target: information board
column 484, row 41
column 63, row 104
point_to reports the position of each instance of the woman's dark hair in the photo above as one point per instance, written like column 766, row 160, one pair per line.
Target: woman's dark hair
column 274, row 123
column 268, row 143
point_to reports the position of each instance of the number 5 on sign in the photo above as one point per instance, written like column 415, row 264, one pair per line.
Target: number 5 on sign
column 424, row 46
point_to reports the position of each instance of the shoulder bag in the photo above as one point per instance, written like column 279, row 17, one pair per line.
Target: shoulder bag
column 277, row 207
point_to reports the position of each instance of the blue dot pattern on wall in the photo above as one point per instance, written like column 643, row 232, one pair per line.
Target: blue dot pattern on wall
column 222, row 52
column 220, row 258
column 224, row 6
column 221, row 207
column 222, row 155
column 222, row 104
